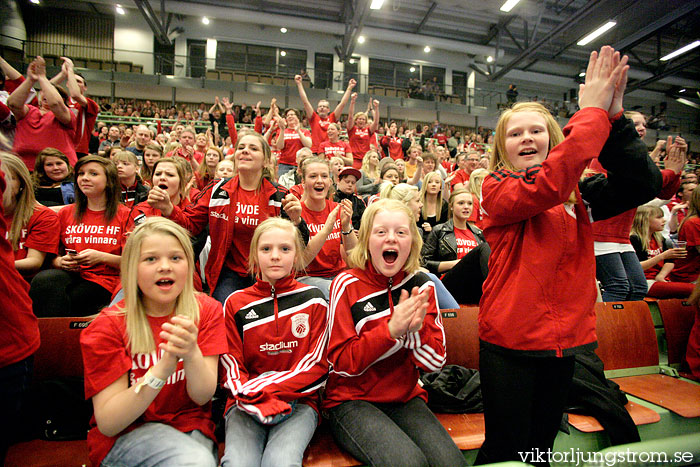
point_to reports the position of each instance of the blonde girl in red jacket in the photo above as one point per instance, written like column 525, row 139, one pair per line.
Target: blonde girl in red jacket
column 276, row 362
column 537, row 311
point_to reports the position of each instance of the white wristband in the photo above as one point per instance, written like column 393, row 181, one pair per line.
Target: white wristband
column 151, row 381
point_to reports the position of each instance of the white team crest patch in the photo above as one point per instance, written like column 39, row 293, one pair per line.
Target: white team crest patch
column 300, row 325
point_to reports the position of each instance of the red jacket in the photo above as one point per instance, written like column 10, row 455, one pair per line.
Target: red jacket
column 540, row 291
column 617, row 229
column 216, row 206
column 366, row 362
column 277, row 339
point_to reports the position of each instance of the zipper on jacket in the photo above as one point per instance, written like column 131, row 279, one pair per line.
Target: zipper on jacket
column 274, row 303
column 391, row 300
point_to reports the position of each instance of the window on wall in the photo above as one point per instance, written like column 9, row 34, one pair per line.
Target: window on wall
column 389, row 73
column 163, row 58
column 259, row 58
column 429, row 72
column 196, row 57
column 459, row 83
column 323, row 70
column 291, row 62
column 352, row 68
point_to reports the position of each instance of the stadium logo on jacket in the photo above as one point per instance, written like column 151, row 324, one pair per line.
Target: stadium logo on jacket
column 300, row 325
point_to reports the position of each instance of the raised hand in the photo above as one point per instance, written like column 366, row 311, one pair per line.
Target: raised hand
column 604, row 73
column 352, row 83
column 675, row 154
column 180, row 337
column 292, row 207
column 159, row 199
column 408, row 315
column 228, row 105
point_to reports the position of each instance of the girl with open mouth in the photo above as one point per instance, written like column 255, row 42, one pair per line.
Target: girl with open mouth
column 153, row 358
column 330, row 227
column 385, row 326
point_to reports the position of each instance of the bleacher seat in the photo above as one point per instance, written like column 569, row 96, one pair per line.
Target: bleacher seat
column 137, row 69
column 226, row 75
column 124, row 67
column 678, row 318
column 627, row 340
column 212, row 74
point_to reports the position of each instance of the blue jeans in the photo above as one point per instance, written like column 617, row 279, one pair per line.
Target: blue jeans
column 321, row 283
column 157, row 444
column 445, row 299
column 393, row 434
column 284, row 168
column 229, row 281
column 251, row 444
column 621, row 276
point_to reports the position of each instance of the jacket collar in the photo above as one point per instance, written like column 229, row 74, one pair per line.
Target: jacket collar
column 283, row 285
column 374, row 277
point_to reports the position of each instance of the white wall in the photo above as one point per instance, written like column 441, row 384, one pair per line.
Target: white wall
column 133, row 40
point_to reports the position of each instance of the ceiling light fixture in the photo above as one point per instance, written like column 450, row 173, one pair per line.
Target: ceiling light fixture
column 582, row 74
column 598, row 32
column 412, row 69
column 489, row 59
column 376, row 4
column 283, row 30
column 682, row 90
column 680, row 51
column 361, row 40
column 205, row 20
column 426, row 49
column 509, row 5
column 283, row 53
column 119, row 9
column 35, row 2
column 688, row 103
column 352, row 61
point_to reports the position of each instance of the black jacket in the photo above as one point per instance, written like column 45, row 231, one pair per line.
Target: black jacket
column 358, row 207
column 441, row 245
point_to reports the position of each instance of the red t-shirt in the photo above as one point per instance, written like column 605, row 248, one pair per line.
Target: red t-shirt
column 87, row 116
column 441, row 138
column 476, row 216
column 328, row 262
column 19, row 331
column 247, row 217
column 319, row 127
column 106, row 357
column 654, row 249
column 329, row 149
column 394, row 145
column 198, row 156
column 292, row 143
column 41, row 233
column 94, row 233
column 466, row 242
column 36, row 132
column 448, row 166
column 460, row 177
column 687, row 269
column 359, row 144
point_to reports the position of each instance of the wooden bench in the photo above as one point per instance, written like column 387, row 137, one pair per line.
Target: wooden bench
column 678, row 317
column 627, row 340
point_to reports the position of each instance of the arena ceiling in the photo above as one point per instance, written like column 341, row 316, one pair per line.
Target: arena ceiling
column 537, row 35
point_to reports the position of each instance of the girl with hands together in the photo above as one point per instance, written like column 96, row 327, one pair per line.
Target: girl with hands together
column 151, row 360
column 384, row 327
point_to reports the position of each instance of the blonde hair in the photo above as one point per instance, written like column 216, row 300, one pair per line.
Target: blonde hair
column 267, row 225
column 453, row 196
column 476, row 178
column 25, row 202
column 365, row 165
column 316, row 160
column 359, row 256
column 204, row 170
column 640, row 225
column 179, row 168
column 401, row 192
column 499, row 157
column 360, row 114
column 138, row 330
column 267, row 168
column 424, row 194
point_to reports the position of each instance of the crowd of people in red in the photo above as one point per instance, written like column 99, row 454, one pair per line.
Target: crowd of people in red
column 330, row 249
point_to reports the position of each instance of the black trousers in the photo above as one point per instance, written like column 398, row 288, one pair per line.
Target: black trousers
column 465, row 280
column 524, row 399
column 55, row 292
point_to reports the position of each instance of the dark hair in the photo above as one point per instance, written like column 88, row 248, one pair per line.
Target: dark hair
column 39, row 176
column 112, row 190
column 80, row 74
